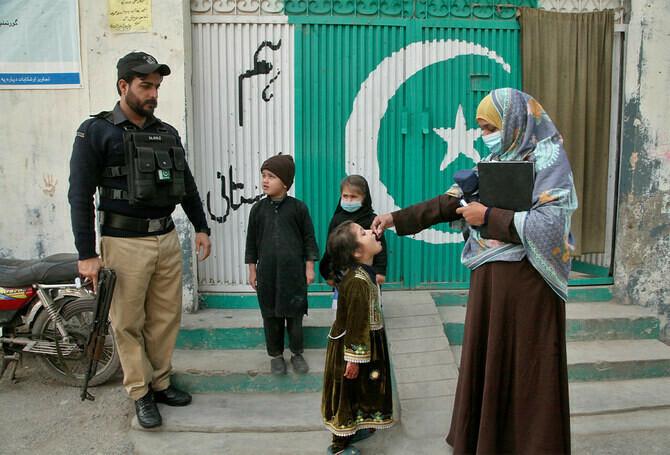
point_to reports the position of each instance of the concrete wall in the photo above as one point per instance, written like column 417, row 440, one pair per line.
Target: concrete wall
column 38, row 129
column 642, row 255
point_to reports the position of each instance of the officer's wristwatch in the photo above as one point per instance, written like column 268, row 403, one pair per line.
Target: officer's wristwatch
column 204, row 230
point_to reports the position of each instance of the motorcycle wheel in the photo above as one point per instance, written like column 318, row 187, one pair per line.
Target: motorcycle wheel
column 77, row 314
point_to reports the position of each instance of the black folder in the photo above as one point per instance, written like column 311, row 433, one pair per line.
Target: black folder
column 506, row 184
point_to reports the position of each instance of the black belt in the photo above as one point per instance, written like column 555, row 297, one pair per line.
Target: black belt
column 140, row 225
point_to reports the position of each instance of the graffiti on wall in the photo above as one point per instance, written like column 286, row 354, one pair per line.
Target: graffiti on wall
column 259, row 67
column 228, row 195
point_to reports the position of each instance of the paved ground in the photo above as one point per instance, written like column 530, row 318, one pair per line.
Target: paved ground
column 39, row 416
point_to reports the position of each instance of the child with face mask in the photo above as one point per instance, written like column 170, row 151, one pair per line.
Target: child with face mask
column 355, row 205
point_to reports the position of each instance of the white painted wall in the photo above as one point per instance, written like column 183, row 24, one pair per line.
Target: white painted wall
column 38, row 127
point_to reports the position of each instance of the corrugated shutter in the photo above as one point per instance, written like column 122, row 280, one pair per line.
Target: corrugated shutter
column 336, row 59
column 221, row 53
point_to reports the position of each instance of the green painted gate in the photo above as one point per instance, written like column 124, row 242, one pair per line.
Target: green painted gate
column 393, row 97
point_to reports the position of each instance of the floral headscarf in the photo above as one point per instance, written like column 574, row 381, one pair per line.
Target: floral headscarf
column 529, row 134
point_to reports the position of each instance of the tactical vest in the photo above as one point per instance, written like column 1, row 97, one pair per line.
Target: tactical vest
column 154, row 170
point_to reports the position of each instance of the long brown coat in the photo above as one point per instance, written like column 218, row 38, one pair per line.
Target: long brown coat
column 512, row 392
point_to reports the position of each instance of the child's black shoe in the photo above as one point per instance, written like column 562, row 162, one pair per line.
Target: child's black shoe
column 299, row 364
column 278, row 365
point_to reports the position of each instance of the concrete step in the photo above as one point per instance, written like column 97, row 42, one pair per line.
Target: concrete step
column 209, row 371
column 194, row 443
column 608, row 397
column 243, row 329
column 618, row 359
column 244, row 413
column 249, row 301
column 618, row 421
column 584, row 322
column 575, row 294
column 393, row 441
column 612, row 360
column 258, row 423
column 622, row 422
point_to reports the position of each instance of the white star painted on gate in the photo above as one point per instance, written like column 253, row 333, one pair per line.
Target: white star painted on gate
column 459, row 140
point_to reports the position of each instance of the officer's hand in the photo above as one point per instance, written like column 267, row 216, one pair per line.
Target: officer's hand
column 202, row 245
column 89, row 268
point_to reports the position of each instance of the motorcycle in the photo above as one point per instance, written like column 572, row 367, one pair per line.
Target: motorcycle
column 46, row 311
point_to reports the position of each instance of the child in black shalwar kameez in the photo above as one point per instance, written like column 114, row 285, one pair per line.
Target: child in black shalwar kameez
column 357, row 376
column 280, row 251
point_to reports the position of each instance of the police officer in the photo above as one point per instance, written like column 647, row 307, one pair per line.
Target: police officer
column 137, row 162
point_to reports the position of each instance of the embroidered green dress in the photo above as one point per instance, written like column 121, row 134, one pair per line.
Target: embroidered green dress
column 357, row 335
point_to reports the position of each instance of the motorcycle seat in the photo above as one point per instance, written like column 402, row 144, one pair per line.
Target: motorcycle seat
column 54, row 269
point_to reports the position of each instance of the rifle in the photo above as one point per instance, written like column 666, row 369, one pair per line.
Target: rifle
column 99, row 328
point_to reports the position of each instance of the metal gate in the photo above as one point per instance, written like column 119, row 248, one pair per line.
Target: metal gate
column 395, row 102
column 383, row 89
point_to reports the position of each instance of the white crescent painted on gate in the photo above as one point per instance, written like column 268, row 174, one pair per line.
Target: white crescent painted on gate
column 361, row 148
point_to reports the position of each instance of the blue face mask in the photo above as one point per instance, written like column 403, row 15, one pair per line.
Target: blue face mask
column 351, row 206
column 493, row 141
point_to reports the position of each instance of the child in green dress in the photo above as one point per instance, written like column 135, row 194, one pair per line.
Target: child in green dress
column 357, row 378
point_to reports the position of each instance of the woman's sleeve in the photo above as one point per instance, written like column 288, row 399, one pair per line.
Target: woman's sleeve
column 357, row 339
column 418, row 217
column 500, row 226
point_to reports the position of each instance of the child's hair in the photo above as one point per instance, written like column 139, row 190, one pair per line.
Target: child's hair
column 355, row 181
column 342, row 244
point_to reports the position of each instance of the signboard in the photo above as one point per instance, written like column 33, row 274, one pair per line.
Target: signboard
column 40, row 44
column 130, row 16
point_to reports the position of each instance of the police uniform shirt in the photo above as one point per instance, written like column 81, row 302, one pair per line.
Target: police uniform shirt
column 98, row 145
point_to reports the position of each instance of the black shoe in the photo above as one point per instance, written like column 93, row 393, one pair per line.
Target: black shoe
column 299, row 364
column 147, row 412
column 172, row 396
column 278, row 365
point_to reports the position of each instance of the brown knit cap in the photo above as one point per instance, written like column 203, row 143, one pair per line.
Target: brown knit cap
column 282, row 166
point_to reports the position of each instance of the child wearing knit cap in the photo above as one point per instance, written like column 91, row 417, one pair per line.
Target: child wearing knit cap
column 280, row 252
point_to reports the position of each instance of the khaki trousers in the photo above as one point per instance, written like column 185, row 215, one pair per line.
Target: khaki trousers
column 146, row 308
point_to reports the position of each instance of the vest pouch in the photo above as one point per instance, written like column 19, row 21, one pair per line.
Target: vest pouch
column 178, row 187
column 151, row 168
column 141, row 185
column 164, row 173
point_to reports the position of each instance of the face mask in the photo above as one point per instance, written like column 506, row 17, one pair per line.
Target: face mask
column 351, row 206
column 493, row 141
